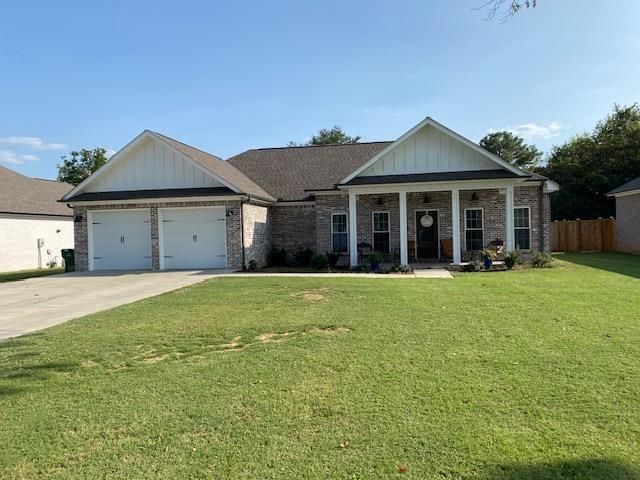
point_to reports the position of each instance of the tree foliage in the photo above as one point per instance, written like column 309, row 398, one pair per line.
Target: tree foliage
column 329, row 136
column 505, row 9
column 591, row 164
column 81, row 164
column 511, row 148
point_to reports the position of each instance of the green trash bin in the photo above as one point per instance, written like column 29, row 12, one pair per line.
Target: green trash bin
column 69, row 259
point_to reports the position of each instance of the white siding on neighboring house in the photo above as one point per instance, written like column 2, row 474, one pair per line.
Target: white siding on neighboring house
column 19, row 240
column 429, row 150
column 152, row 165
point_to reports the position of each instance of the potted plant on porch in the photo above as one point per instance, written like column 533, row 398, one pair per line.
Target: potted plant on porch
column 375, row 259
column 488, row 256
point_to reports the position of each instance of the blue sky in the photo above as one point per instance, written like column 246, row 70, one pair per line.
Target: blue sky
column 228, row 76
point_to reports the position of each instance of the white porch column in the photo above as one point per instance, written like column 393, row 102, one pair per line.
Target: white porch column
column 353, row 230
column 455, row 223
column 404, row 249
column 510, row 242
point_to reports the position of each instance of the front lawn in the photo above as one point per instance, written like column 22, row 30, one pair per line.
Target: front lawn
column 22, row 274
column 530, row 374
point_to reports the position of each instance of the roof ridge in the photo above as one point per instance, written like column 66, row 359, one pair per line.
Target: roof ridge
column 318, row 146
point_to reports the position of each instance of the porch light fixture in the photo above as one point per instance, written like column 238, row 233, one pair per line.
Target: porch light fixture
column 229, row 213
column 380, row 201
column 78, row 218
column 426, row 199
column 474, row 197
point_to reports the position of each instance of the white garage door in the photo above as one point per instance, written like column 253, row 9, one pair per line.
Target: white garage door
column 121, row 240
column 193, row 238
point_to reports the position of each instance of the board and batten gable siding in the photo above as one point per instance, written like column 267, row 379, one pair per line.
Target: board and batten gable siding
column 152, row 165
column 426, row 151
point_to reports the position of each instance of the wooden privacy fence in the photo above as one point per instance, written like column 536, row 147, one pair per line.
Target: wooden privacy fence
column 584, row 235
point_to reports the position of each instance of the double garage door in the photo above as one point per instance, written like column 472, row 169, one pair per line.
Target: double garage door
column 189, row 238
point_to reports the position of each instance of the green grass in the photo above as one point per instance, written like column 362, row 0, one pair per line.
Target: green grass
column 22, row 274
column 530, row 374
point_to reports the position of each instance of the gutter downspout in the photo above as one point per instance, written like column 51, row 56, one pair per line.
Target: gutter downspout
column 244, row 267
column 541, row 214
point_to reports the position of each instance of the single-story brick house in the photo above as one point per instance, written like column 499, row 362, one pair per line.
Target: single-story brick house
column 34, row 226
column 627, row 216
column 431, row 195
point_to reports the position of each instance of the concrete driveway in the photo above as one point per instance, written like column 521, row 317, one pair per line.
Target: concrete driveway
column 37, row 303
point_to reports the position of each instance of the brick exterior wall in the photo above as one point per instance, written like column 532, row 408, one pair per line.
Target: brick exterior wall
column 234, row 249
column 628, row 223
column 491, row 201
column 294, row 228
column 257, row 232
column 494, row 211
column 325, row 206
column 298, row 227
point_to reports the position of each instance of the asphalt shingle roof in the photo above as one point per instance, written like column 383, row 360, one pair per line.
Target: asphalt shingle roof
column 288, row 172
column 627, row 187
column 31, row 196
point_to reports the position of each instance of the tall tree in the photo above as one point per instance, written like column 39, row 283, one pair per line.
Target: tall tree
column 511, row 148
column 81, row 164
column 329, row 136
column 591, row 164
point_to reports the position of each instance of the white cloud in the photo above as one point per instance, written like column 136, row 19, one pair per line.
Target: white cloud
column 110, row 152
column 32, row 142
column 532, row 131
column 7, row 156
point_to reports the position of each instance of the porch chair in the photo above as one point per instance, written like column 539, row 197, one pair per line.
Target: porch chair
column 364, row 249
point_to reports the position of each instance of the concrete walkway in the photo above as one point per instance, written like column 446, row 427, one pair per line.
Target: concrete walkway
column 37, row 303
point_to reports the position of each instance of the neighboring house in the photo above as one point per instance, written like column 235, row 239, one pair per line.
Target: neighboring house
column 431, row 195
column 34, row 227
column 627, row 216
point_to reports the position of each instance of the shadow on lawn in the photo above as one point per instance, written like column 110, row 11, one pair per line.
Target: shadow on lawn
column 587, row 469
column 19, row 365
column 622, row 263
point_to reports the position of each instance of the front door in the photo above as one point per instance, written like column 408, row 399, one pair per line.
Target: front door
column 427, row 237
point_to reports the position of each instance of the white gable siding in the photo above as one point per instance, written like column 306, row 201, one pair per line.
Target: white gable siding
column 429, row 150
column 151, row 165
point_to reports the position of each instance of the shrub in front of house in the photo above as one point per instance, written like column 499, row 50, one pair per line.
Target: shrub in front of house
column 401, row 269
column 302, row 258
column 542, row 260
column 333, row 258
column 511, row 259
column 252, row 266
column 319, row 262
column 277, row 257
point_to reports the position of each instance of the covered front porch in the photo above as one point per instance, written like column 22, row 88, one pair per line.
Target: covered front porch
column 422, row 225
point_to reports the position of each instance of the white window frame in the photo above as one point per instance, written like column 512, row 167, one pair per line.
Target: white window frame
column 374, row 231
column 522, row 228
column 473, row 229
column 346, row 215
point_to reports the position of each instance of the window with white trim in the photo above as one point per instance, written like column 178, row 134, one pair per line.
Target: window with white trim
column 474, row 229
column 339, row 233
column 522, row 228
column 381, row 232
